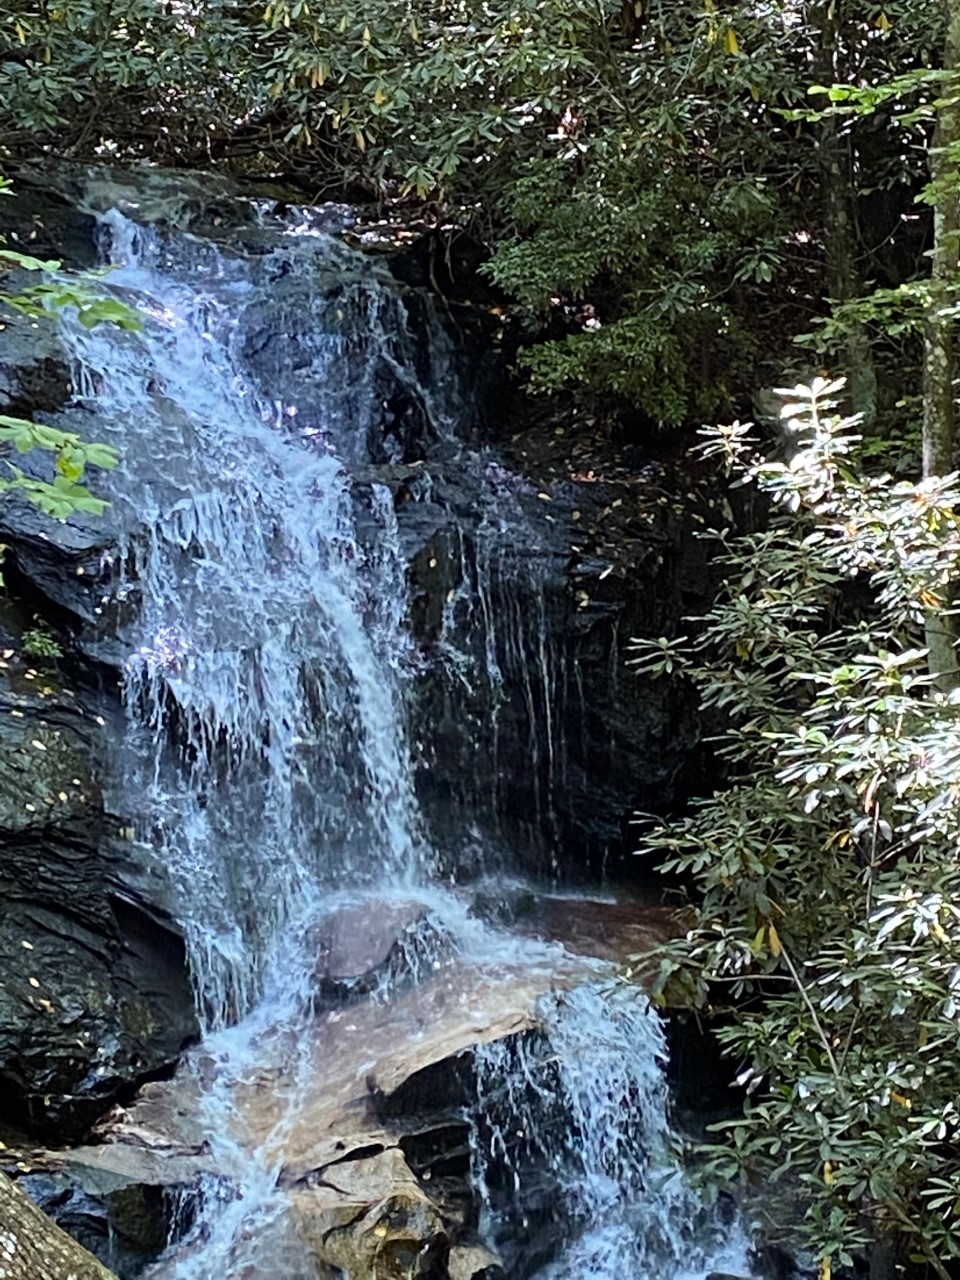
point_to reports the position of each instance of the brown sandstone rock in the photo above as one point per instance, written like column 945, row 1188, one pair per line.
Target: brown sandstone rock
column 473, row 1262
column 370, row 1217
column 385, row 1091
column 376, row 1162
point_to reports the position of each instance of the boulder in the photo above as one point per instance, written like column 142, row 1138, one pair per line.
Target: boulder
column 124, row 1226
column 371, row 1218
column 375, row 945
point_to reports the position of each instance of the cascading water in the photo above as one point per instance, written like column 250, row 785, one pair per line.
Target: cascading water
column 266, row 632
column 266, row 638
column 582, row 1104
column 259, row 582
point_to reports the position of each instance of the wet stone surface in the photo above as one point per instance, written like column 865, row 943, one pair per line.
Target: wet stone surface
column 94, row 994
column 376, row 945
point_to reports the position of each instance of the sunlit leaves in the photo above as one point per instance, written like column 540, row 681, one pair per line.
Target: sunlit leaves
column 827, row 876
column 27, row 262
column 58, row 292
column 64, row 495
column 632, row 156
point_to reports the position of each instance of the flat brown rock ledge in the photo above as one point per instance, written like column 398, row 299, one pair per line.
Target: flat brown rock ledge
column 375, row 1163
column 626, row 932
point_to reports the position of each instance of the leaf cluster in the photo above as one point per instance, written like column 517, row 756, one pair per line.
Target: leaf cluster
column 826, row 874
column 54, row 293
column 631, row 166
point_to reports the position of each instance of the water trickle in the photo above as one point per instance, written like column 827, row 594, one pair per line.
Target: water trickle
column 574, row 1148
column 259, row 588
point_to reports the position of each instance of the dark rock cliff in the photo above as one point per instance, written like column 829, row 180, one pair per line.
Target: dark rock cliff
column 94, row 994
column 530, row 568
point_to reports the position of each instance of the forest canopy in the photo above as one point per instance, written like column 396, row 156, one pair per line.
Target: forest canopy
column 663, row 212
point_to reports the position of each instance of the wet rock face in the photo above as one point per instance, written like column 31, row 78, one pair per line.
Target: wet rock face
column 94, row 994
column 527, row 577
column 85, row 1014
column 528, row 721
column 34, row 376
column 615, row 930
column 529, row 572
column 36, row 220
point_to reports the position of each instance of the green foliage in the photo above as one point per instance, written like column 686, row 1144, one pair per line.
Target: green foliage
column 826, row 874
column 630, row 166
column 892, row 313
column 635, row 358
column 89, row 65
column 864, row 100
column 55, row 295
column 65, row 494
column 40, row 642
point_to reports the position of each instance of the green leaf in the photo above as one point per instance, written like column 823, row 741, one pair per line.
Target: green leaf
column 29, row 263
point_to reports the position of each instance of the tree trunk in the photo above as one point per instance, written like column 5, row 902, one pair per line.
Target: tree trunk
column 33, row 1247
column 882, row 1258
column 939, row 412
column 837, row 171
column 939, row 409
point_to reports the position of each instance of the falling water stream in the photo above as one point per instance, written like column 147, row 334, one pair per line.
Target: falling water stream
column 259, row 580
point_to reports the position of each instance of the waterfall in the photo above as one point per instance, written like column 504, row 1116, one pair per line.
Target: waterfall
column 265, row 631
column 583, row 1103
column 258, row 587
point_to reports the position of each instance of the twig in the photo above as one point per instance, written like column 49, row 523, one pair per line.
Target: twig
column 813, row 1013
column 911, row 1227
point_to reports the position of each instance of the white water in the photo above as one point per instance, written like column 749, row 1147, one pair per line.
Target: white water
column 586, row 1100
column 267, row 755
column 264, row 627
